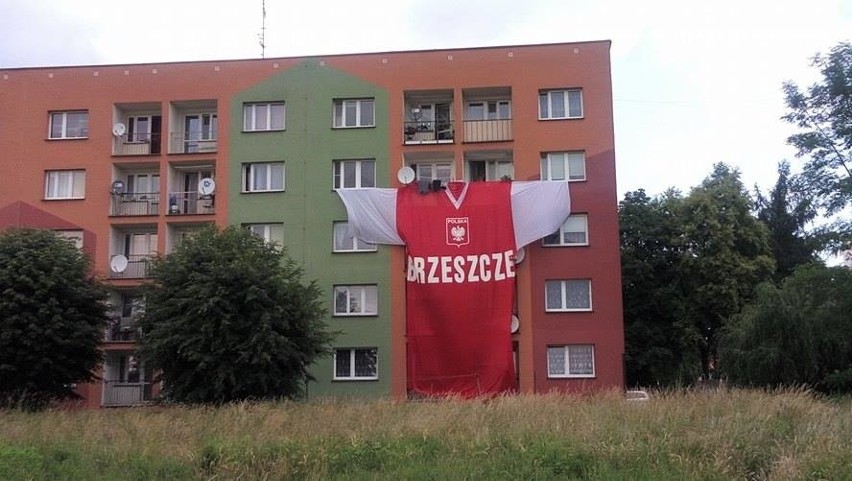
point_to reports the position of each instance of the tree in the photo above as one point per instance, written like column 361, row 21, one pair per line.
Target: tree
column 52, row 318
column 824, row 113
column 785, row 213
column 726, row 255
column 661, row 345
column 795, row 334
column 227, row 317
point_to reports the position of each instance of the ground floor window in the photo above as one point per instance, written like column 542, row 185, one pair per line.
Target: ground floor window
column 356, row 364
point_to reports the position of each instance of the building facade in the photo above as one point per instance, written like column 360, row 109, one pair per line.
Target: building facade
column 129, row 159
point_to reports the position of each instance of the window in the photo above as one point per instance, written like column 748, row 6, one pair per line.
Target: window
column 65, row 184
column 560, row 104
column 573, row 360
column 343, row 242
column 574, row 232
column 201, row 127
column 132, row 305
column 434, row 170
column 139, row 128
column 355, row 300
column 263, row 116
column 568, row 295
column 75, row 236
column 489, row 110
column 352, row 174
column 69, row 125
column 263, row 177
column 356, row 364
column 569, row 166
column 490, row 169
column 354, row 113
column 271, row 233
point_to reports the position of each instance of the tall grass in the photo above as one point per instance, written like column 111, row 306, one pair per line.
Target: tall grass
column 723, row 435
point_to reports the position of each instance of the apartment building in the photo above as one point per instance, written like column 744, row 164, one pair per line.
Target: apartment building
column 130, row 159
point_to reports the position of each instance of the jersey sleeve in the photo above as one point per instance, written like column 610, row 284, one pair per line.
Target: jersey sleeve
column 538, row 209
column 372, row 214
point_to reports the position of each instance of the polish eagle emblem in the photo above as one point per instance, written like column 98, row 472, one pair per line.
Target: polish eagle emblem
column 458, row 231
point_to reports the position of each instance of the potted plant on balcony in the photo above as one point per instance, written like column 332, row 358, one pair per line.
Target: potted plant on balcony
column 173, row 204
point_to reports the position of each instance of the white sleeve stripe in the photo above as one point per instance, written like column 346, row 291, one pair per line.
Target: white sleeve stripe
column 372, row 214
column 538, row 209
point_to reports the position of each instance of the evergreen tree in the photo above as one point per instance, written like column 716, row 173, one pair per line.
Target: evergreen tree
column 786, row 213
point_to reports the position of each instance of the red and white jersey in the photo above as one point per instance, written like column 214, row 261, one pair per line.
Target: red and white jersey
column 460, row 244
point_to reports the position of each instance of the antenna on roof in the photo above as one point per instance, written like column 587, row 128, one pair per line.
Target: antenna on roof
column 262, row 35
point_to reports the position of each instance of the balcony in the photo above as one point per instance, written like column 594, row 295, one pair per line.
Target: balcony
column 192, row 142
column 138, row 144
column 429, row 132
column 190, row 203
column 139, row 203
column 137, row 268
column 126, row 393
column 487, row 130
column 121, row 330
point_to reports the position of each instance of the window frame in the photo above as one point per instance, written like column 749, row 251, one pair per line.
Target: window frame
column 353, row 365
column 561, row 232
column 564, row 296
column 341, row 121
column 566, row 366
column 547, row 95
column 269, row 105
column 338, row 178
column 76, row 236
column 63, row 133
column 268, row 231
column 547, row 160
column 249, row 174
column 363, row 312
column 434, row 170
column 51, row 193
column 356, row 242
column 486, row 105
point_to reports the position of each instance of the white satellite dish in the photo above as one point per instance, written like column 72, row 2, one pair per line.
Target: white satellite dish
column 118, row 263
column 405, row 175
column 118, row 187
column 118, row 129
column 520, row 255
column 516, row 324
column 206, row 186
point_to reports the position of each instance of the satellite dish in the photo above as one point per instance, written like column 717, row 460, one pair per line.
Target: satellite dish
column 516, row 324
column 405, row 175
column 118, row 263
column 206, row 186
column 118, row 129
column 520, row 255
column 118, row 187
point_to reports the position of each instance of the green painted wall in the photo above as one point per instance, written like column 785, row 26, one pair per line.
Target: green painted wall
column 308, row 206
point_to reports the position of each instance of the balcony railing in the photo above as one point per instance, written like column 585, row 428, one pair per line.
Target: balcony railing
column 123, row 393
column 429, row 132
column 487, row 130
column 188, row 203
column 121, row 330
column 136, row 144
column 137, row 268
column 191, row 143
column 139, row 203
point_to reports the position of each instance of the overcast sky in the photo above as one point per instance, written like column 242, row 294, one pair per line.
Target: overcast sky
column 694, row 82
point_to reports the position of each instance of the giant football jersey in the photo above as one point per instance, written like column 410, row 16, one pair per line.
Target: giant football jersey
column 460, row 290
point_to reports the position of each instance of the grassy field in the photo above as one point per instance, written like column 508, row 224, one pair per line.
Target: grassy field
column 694, row 435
